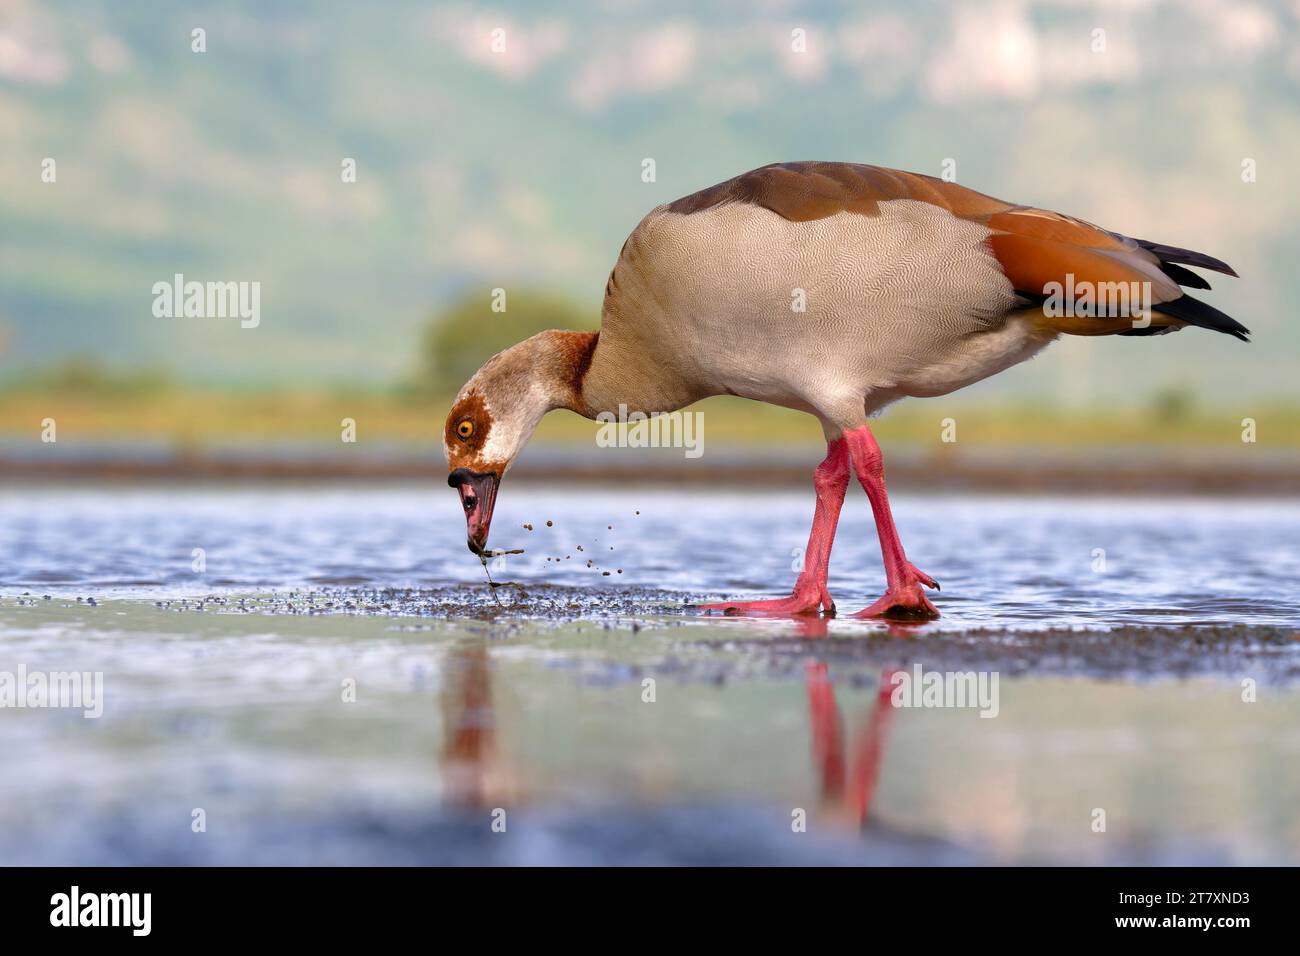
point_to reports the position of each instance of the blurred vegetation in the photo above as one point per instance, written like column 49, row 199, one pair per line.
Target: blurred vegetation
column 1173, row 404
column 93, row 403
column 464, row 336
column 82, row 376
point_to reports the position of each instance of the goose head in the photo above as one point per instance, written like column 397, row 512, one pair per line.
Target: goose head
column 495, row 415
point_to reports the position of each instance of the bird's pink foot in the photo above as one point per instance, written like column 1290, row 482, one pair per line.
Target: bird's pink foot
column 808, row 601
column 905, row 603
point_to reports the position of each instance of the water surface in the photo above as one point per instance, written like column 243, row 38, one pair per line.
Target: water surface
column 1001, row 562
column 1121, row 633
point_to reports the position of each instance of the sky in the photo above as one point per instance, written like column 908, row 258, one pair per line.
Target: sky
column 504, row 144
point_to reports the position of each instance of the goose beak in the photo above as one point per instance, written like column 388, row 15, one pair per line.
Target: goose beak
column 478, row 493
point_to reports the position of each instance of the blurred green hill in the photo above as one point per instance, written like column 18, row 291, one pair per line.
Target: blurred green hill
column 523, row 169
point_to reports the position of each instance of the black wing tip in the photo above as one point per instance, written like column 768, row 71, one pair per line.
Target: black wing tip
column 1184, row 277
column 1190, row 310
column 1203, row 315
column 1187, row 257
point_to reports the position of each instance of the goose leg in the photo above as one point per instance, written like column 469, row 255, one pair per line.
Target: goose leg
column 903, row 599
column 830, row 480
column 827, row 732
column 868, row 752
column 847, row 785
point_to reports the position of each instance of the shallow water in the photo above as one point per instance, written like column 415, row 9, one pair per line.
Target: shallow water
column 1035, row 562
column 1119, row 689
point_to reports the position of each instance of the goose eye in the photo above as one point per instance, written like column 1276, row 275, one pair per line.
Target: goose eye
column 465, row 429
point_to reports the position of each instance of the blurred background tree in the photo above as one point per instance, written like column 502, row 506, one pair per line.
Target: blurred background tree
column 1173, row 404
column 466, row 334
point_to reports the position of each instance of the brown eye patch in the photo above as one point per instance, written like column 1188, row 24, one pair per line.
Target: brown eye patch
column 469, row 411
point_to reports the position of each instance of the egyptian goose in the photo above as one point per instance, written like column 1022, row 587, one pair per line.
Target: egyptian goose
column 912, row 286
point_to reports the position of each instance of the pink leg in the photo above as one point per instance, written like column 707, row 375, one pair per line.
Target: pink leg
column 831, row 480
column 851, row 788
column 869, row 751
column 904, row 599
column 828, row 733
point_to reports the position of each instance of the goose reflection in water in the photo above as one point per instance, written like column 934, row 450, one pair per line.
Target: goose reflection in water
column 475, row 774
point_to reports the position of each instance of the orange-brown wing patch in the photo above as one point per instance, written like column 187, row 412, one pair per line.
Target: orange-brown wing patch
column 1036, row 247
column 1045, row 224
